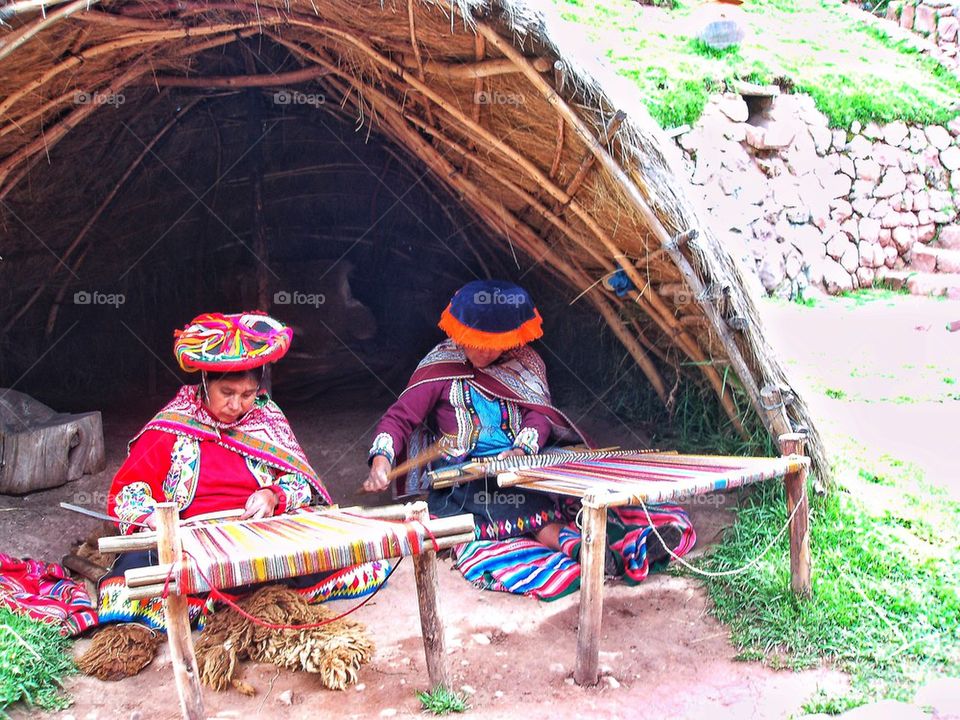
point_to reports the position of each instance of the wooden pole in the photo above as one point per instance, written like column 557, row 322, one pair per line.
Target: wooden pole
column 792, row 444
column 178, row 620
column 431, row 622
column 592, row 552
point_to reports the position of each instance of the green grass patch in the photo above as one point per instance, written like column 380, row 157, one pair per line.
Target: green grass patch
column 886, row 583
column 34, row 656
column 852, row 69
column 835, row 394
column 441, row 701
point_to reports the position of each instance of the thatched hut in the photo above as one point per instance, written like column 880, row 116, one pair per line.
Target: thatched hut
column 167, row 155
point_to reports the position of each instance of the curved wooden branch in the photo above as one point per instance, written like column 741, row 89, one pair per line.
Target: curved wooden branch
column 17, row 39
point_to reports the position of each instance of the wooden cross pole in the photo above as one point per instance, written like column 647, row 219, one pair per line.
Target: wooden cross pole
column 178, row 619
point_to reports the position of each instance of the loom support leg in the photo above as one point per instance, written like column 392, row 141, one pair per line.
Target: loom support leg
column 792, row 444
column 178, row 620
column 431, row 622
column 587, row 669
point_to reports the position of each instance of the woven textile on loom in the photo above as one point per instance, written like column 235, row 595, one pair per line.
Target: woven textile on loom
column 651, row 477
column 307, row 541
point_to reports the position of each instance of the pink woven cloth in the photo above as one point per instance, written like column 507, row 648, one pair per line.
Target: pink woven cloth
column 44, row 592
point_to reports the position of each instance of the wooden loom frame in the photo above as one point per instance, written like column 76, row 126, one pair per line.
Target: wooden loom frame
column 593, row 547
column 183, row 657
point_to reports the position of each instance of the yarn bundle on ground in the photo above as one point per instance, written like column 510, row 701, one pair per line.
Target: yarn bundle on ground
column 119, row 651
column 334, row 651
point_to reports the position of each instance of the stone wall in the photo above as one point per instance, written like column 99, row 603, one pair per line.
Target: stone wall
column 808, row 205
column 937, row 20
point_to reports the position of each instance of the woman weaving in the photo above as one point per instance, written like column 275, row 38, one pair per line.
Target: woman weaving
column 222, row 445
column 483, row 393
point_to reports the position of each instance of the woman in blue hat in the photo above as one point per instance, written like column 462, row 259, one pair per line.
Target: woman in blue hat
column 483, row 393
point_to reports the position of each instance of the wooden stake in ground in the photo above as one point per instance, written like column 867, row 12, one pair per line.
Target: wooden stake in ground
column 792, row 444
column 431, row 622
column 178, row 620
column 592, row 551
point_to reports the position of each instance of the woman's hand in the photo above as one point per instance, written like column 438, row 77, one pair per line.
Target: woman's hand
column 150, row 521
column 377, row 480
column 515, row 452
column 260, row 504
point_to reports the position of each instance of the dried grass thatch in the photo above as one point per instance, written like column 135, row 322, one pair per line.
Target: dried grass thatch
column 551, row 152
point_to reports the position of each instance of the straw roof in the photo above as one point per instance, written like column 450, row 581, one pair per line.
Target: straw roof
column 499, row 99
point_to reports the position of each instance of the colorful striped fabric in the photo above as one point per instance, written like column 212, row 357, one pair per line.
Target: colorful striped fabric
column 43, row 591
column 650, row 478
column 304, row 542
column 523, row 566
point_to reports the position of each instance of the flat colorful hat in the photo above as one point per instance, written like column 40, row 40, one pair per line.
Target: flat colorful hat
column 231, row 343
column 491, row 315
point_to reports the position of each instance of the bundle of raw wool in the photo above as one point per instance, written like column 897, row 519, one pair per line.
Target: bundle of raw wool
column 119, row 651
column 334, row 651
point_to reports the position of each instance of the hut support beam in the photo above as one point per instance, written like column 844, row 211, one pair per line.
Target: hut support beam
column 587, row 668
column 798, row 509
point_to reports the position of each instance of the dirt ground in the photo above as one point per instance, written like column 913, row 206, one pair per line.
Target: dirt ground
column 661, row 650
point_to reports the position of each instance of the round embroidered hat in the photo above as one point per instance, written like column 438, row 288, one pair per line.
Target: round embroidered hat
column 491, row 315
column 231, row 343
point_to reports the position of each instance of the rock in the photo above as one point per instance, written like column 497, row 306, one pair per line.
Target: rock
column 793, row 265
column 926, row 233
column 856, row 126
column 947, row 28
column 921, row 260
column 753, row 187
column 837, row 245
column 904, row 238
column 918, row 140
column 734, row 107
column 896, row 202
column 285, row 698
column 568, row 681
column 865, row 276
column 954, row 126
column 388, row 712
column 468, row 690
column 926, row 20
column 887, row 155
column 907, row 16
column 837, row 185
column 772, row 271
column 779, row 135
column 938, row 136
column 863, row 205
column 480, row 638
column 822, row 138
column 798, row 215
column 949, row 237
column 896, row 133
column 881, row 210
column 871, row 254
column 908, row 163
column 846, row 166
column 785, row 192
column 894, row 181
column 808, row 241
column 735, row 132
column 859, row 147
column 950, row 158
column 921, row 200
column 868, row 169
column 869, row 229
column 841, row 210
column 557, row 668
column 890, row 256
column 611, row 681
column 835, row 278
column 851, row 258
column 940, row 199
column 916, row 182
column 851, row 228
column 871, row 130
column 943, row 216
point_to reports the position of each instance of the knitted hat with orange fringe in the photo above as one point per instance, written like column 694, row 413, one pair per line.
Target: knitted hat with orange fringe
column 491, row 315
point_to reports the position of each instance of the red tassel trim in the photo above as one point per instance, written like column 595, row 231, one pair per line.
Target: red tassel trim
column 470, row 337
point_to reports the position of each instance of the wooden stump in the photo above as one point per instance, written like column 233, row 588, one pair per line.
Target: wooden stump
column 182, row 656
column 431, row 621
column 592, row 551
column 40, row 448
column 792, row 444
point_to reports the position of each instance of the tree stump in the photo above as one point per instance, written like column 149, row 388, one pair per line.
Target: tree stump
column 41, row 448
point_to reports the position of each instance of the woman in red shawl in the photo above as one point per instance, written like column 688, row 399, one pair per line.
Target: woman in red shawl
column 221, row 445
